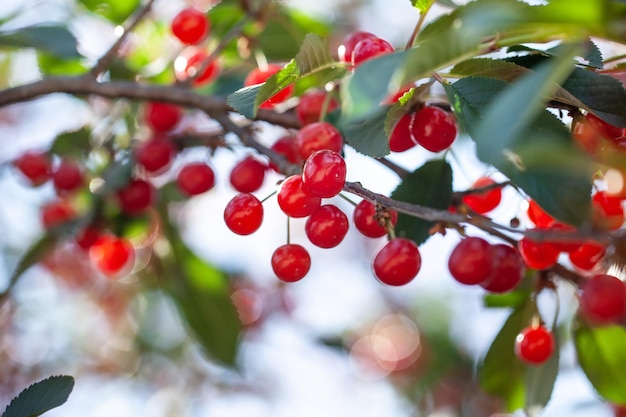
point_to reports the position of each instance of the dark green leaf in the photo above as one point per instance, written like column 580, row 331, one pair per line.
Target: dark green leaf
column 243, row 100
column 117, row 11
column 223, row 17
column 54, row 40
column 41, row 397
column 422, row 5
column 117, row 175
column 72, row 143
column 430, row 186
column 486, row 67
column 447, row 3
column 367, row 135
column 602, row 357
column 33, row 255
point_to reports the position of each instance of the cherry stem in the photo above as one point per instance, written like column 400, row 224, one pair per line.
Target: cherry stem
column 418, row 27
column 347, row 199
column 288, row 230
column 272, row 194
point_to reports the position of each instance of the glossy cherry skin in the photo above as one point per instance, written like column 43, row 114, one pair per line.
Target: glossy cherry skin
column 258, row 76
column 603, row 299
column 286, row 146
column 136, row 197
column 485, row 201
column 67, row 177
column 607, row 211
column 311, row 104
column 538, row 216
column 316, row 137
column 190, row 61
column 327, row 226
column 190, row 26
column 195, row 178
column 534, row 345
column 606, row 130
column 401, row 138
column 156, row 155
column 294, row 200
column 398, row 262
column 113, row 256
column 350, row 41
column 243, row 214
column 370, row 48
column 324, row 173
column 538, row 255
column 161, row 117
column 434, row 129
column 56, row 213
column 364, row 218
column 471, row 261
column 248, row 175
column 508, row 269
column 587, row 256
column 34, row 166
column 291, row 262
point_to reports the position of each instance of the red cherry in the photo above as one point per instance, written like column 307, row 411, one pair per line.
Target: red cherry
column 607, row 211
column 87, row 237
column 113, row 256
column 345, row 50
column 324, row 173
column 286, row 146
column 258, row 76
column 534, row 345
column 311, row 104
column 161, row 117
column 56, row 213
column 195, row 178
column 365, row 220
column 247, row 175
column 401, row 138
column 435, row 129
column 316, row 137
column 294, row 200
column 398, row 262
column 508, row 270
column 537, row 255
column 485, row 201
column 190, row 26
column 244, row 214
column 136, row 197
column 68, row 176
column 155, row 156
column 327, row 226
column 35, row 166
column 603, row 299
column 291, row 262
column 190, row 61
column 370, row 48
column 471, row 261
column 587, row 137
column 564, row 246
column 587, row 256
column 606, row 130
column 538, row 216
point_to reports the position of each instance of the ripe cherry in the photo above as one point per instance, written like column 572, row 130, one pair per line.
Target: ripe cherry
column 346, row 49
column 369, row 48
column 603, row 299
column 537, row 255
column 534, row 345
column 243, row 214
column 471, row 261
column 294, row 200
column 365, row 218
column 401, row 138
column 291, row 262
column 195, row 178
column 316, row 137
column 87, row 237
column 606, row 130
column 538, row 216
column 433, row 128
column 327, row 226
column 258, row 76
column 248, row 175
column 508, row 270
column 56, row 213
column 161, row 117
column 398, row 262
column 35, row 166
column 483, row 202
column 587, row 256
column 324, row 173
column 67, row 177
column 136, row 196
column 113, row 256
column 155, row 155
column 190, row 61
column 286, row 146
column 607, row 211
column 311, row 104
column 190, row 26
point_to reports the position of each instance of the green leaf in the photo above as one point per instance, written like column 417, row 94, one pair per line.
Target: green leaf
column 117, row 11
column 40, row 397
column 243, row 100
column 406, row 104
column 422, row 5
column 54, row 40
column 512, row 299
column 51, row 65
column 72, row 143
column 486, row 67
column 33, row 255
column 367, row 135
column 539, row 381
column 602, row 357
column 430, row 186
column 117, row 175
